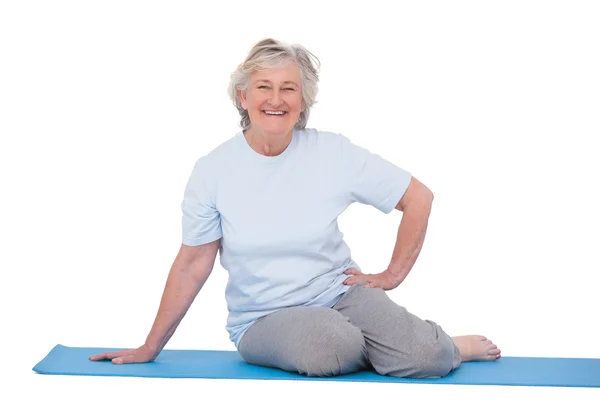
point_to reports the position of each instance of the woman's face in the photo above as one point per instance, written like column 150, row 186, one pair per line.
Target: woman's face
column 274, row 100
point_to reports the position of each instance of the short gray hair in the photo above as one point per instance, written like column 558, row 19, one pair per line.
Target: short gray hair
column 270, row 53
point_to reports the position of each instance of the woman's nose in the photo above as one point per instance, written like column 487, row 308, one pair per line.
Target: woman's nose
column 275, row 99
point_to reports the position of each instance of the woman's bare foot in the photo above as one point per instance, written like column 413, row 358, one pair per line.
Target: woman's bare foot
column 476, row 348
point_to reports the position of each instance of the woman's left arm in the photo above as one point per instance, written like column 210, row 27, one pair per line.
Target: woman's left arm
column 415, row 205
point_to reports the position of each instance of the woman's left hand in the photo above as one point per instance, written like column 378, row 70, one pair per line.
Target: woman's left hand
column 384, row 280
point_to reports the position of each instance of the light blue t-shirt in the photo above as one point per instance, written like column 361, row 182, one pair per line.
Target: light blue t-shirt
column 277, row 217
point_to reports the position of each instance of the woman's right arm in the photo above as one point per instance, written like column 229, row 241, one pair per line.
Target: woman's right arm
column 189, row 272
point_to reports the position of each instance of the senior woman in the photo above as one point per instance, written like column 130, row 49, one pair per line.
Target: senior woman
column 268, row 199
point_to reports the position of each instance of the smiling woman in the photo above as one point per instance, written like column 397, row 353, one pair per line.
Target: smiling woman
column 268, row 200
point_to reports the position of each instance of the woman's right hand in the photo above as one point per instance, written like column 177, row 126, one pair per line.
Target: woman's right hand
column 142, row 354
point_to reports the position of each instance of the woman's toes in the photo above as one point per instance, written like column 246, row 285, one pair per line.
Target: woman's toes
column 494, row 352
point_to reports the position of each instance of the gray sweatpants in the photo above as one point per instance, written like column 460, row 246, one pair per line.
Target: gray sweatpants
column 364, row 330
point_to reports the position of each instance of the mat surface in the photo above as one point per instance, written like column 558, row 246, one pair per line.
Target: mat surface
column 513, row 371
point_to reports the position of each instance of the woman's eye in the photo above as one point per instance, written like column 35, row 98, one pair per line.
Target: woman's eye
column 290, row 89
column 263, row 87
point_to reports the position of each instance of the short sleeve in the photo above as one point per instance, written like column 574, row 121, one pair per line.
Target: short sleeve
column 371, row 179
column 201, row 221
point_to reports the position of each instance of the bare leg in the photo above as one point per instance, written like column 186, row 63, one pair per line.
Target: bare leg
column 476, row 348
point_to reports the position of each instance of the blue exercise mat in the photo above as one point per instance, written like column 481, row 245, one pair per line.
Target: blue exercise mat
column 215, row 364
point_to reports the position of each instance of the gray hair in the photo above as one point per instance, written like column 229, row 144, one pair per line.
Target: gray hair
column 270, row 53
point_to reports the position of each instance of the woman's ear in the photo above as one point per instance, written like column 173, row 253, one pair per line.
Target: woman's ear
column 242, row 94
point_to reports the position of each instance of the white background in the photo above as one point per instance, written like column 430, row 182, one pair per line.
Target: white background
column 105, row 106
